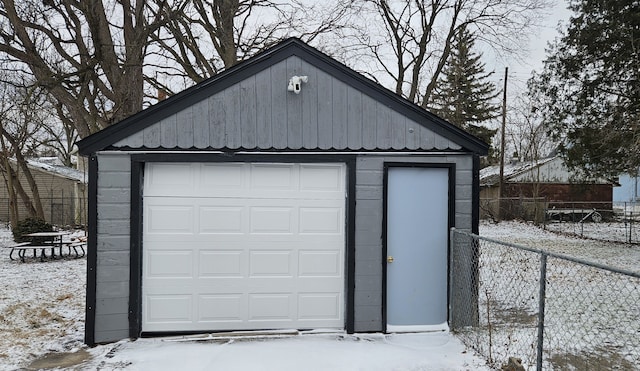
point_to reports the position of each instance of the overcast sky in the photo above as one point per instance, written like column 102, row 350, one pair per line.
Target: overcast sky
column 519, row 72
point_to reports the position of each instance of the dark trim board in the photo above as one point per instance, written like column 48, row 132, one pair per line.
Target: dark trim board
column 350, row 255
column 137, row 244
column 475, row 196
column 92, row 253
column 450, row 222
column 135, row 270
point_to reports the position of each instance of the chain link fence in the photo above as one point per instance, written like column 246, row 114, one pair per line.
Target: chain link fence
column 598, row 220
column 619, row 223
column 552, row 311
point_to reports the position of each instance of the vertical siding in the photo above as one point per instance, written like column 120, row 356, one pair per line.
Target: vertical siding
column 398, row 130
column 369, row 213
column 60, row 199
column 168, row 132
column 383, row 129
column 201, row 122
column 310, row 107
column 233, row 117
column 369, row 123
column 216, row 121
column 325, row 111
column 152, row 136
column 339, row 114
column 294, row 105
column 354, row 118
column 259, row 112
column 279, row 98
column 184, row 126
column 248, row 113
column 412, row 134
column 263, row 109
column 112, row 283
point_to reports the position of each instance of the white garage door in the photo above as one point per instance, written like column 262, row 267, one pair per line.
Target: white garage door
column 243, row 246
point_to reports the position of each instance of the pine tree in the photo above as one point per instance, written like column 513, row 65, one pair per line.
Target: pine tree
column 464, row 95
column 590, row 88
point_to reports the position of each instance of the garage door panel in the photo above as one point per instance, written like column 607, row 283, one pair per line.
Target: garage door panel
column 169, row 308
column 268, row 220
column 272, row 177
column 260, row 247
column 270, row 307
column 320, row 220
column 321, row 177
column 220, row 176
column 221, row 307
column 168, row 263
column 319, row 263
column 169, row 179
column 270, row 263
column 319, row 306
column 222, row 220
column 216, row 263
column 169, row 219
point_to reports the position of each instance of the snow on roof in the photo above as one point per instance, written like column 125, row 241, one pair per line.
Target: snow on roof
column 490, row 175
column 546, row 170
column 52, row 165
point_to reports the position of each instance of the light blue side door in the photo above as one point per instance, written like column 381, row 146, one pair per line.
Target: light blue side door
column 417, row 245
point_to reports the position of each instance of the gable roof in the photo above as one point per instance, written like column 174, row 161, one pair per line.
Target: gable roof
column 58, row 170
column 107, row 137
column 49, row 166
column 546, row 170
column 490, row 175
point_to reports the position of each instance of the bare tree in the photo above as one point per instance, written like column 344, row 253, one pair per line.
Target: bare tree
column 206, row 37
column 527, row 137
column 19, row 135
column 413, row 42
column 88, row 54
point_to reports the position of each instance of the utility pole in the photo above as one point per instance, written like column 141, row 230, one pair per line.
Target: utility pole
column 502, row 139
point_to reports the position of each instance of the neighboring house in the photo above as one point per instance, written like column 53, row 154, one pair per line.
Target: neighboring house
column 534, row 186
column 288, row 192
column 63, row 192
column 629, row 190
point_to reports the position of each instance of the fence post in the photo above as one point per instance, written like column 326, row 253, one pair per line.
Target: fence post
column 541, row 302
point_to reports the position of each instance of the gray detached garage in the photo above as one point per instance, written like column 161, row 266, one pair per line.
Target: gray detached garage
column 288, row 192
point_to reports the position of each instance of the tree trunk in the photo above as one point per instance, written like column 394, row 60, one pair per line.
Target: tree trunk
column 14, row 214
column 35, row 200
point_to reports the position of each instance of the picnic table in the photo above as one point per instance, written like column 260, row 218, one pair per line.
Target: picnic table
column 58, row 242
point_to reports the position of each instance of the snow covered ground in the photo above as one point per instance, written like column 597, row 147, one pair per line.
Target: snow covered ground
column 42, row 312
column 591, row 314
column 618, row 255
column 604, row 231
column 42, row 321
column 41, row 306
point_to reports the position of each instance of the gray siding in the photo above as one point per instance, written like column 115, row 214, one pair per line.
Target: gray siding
column 112, row 288
column 369, row 210
column 112, row 271
column 259, row 113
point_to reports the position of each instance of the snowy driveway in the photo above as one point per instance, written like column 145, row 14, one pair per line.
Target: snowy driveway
column 42, row 313
column 435, row 351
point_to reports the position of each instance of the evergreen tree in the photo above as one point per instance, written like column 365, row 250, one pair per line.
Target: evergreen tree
column 590, row 87
column 464, row 94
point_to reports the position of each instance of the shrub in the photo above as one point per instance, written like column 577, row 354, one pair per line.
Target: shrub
column 31, row 225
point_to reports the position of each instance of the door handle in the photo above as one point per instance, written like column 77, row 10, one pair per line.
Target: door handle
column 389, row 259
